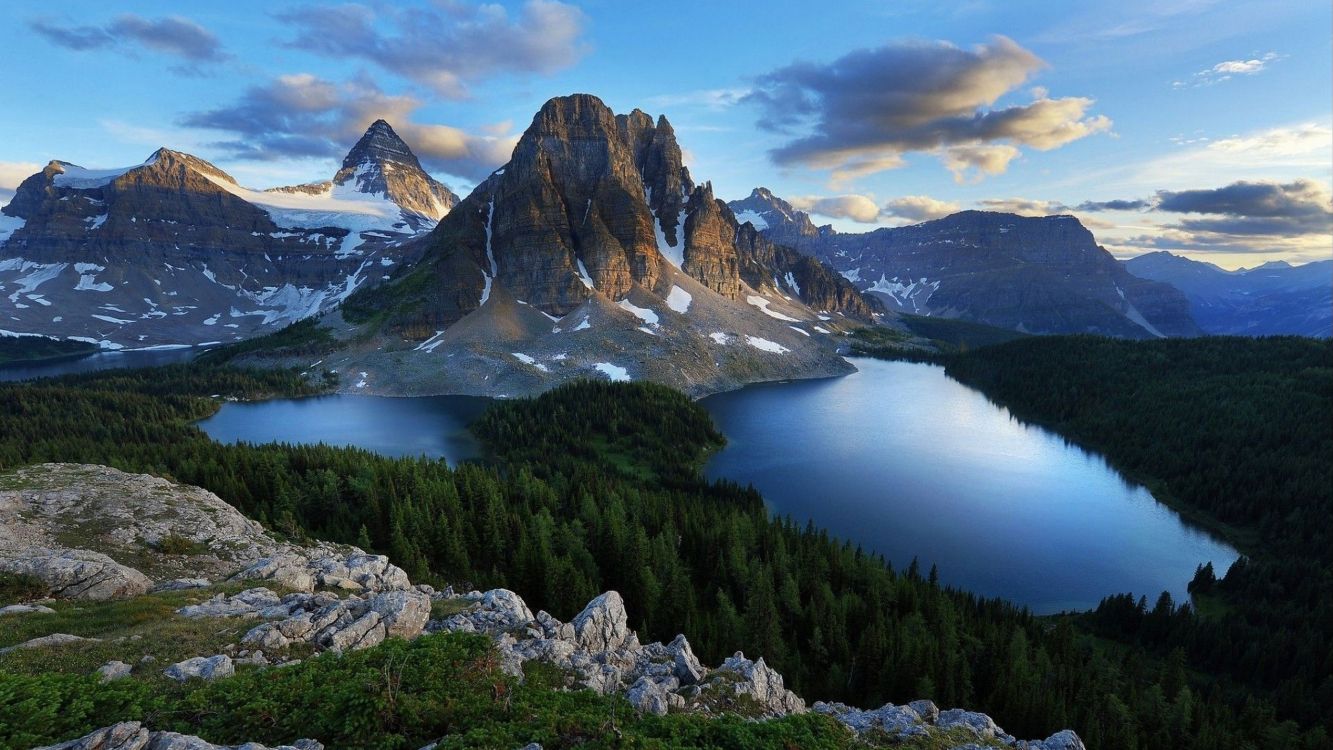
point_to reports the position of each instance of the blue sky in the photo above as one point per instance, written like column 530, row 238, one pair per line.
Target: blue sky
column 1189, row 125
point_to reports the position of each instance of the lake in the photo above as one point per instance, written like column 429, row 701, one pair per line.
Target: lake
column 896, row 457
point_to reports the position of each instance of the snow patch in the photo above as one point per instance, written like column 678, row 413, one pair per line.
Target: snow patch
column 763, row 304
column 642, row 313
column 791, row 283
column 799, row 330
column 766, row 345
column 615, row 373
column 679, row 300
column 719, row 337
column 754, row 217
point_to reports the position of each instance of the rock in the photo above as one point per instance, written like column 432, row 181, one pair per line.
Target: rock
column 79, row 574
column 55, row 639
column 364, row 632
column 981, row 724
column 760, row 682
column 248, row 603
column 506, row 608
column 289, row 570
column 182, row 584
column 1062, row 740
column 710, row 243
column 927, row 710
column 114, row 670
column 131, row 735
column 652, row 697
column 201, row 667
column 403, row 613
column 26, row 609
column 687, row 667
column 603, row 624
column 381, row 163
column 901, row 722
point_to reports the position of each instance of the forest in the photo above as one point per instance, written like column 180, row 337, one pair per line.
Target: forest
column 594, row 486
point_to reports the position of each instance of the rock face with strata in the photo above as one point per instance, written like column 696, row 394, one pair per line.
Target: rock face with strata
column 710, row 243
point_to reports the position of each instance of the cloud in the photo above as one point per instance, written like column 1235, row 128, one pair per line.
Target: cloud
column 857, row 208
column 448, row 48
column 1115, row 205
column 1227, row 69
column 1292, row 209
column 173, row 35
column 1024, row 206
column 862, row 112
column 919, row 208
column 707, row 98
column 303, row 115
column 1285, row 141
column 11, row 174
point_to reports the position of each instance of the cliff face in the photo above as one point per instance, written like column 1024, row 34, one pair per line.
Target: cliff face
column 764, row 264
column 710, row 245
column 382, row 164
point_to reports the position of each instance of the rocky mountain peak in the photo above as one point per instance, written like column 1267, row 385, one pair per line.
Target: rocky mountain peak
column 381, row 163
column 781, row 221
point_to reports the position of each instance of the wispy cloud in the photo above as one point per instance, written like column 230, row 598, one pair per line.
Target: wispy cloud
column 175, row 36
column 1228, row 69
column 448, row 47
column 861, row 113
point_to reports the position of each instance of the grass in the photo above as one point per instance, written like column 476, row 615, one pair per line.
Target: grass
column 126, row 629
column 21, row 587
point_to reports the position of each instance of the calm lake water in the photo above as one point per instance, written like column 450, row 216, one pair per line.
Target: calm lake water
column 897, row 457
column 909, row 463
column 431, row 426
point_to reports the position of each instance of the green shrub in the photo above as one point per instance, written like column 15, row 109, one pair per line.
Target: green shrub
column 21, row 587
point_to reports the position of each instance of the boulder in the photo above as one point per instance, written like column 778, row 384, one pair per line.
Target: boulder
column 201, row 667
column 761, row 683
column 79, row 574
column 182, row 584
column 1062, row 740
column 404, row 613
column 289, row 570
column 114, row 670
column 248, row 603
column 26, row 609
column 55, row 639
column 603, row 624
column 686, row 665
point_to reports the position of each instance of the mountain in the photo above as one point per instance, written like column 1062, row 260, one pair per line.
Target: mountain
column 1271, row 299
column 1038, row 275
column 594, row 251
column 174, row 252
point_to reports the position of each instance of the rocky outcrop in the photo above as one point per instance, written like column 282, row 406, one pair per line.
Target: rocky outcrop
column 125, row 518
column 78, row 574
column 132, row 735
column 201, row 668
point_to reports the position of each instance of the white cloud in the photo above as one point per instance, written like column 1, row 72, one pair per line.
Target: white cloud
column 858, row 208
column 1227, row 69
column 917, row 208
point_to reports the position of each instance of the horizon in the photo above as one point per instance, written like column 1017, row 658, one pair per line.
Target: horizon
column 1209, row 147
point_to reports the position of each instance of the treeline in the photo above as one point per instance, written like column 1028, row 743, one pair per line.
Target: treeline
column 595, row 486
column 1236, row 432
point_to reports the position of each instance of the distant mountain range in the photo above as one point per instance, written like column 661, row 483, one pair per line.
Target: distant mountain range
column 1038, row 275
column 1274, row 298
column 592, row 252
column 173, row 251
